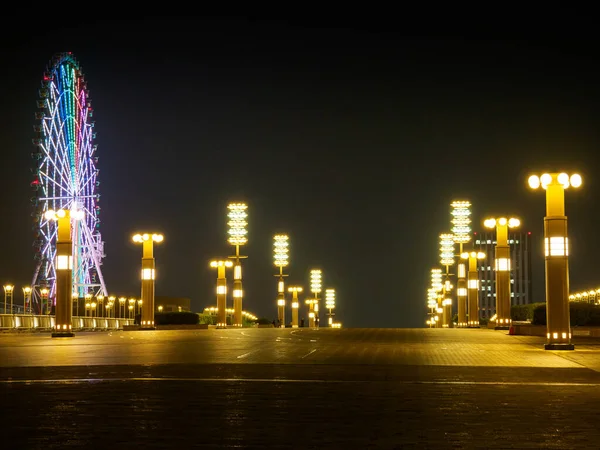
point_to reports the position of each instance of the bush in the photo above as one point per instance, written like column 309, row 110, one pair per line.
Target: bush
column 522, row 312
column 176, row 318
column 209, row 319
column 264, row 321
column 580, row 313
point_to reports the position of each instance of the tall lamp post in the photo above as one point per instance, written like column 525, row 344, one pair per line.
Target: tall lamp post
column 330, row 304
column 447, row 260
column 473, row 287
column 237, row 232
column 148, row 276
column 502, row 269
column 221, row 265
column 8, row 294
column 556, row 246
column 313, row 303
column 63, row 326
column 280, row 254
column 26, row 299
column 437, row 286
column 461, row 232
column 295, row 304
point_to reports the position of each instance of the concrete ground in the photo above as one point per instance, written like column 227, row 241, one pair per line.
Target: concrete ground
column 298, row 388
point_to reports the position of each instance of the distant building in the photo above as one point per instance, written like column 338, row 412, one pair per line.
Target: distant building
column 520, row 273
column 171, row 304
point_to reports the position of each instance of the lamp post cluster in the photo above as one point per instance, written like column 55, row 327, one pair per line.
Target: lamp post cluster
column 556, row 252
column 237, row 217
column 467, row 278
column 592, row 296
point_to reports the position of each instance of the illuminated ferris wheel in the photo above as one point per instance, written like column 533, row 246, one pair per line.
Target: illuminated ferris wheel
column 66, row 177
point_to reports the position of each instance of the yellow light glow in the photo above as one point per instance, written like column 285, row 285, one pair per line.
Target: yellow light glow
column 464, row 255
column 489, row 223
column 329, row 298
column 294, row 289
column 315, row 281
column 61, row 213
column 280, row 249
column 221, row 263
column 563, row 179
column 237, row 223
column 545, row 180
column 513, row 222
column 447, row 249
column 502, row 221
column 461, row 221
column 534, row 181
column 576, row 180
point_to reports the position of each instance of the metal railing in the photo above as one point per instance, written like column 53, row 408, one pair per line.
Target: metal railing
column 23, row 322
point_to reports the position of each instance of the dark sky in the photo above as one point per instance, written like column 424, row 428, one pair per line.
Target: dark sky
column 352, row 139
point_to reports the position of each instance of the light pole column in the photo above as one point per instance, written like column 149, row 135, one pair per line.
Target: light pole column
column 295, row 304
column 281, row 302
column 281, row 260
column 556, row 250
column 148, row 277
column 473, row 288
column 461, row 295
column 315, row 287
column 237, row 294
column 557, row 270
column 221, row 291
column 63, row 326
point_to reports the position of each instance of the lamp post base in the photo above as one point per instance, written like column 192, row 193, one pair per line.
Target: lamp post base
column 63, row 334
column 559, row 347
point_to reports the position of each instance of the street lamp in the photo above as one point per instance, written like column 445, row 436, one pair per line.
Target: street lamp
column 502, row 269
column 295, row 304
column 461, row 234
column 100, row 299
column 8, row 294
column 44, row 292
column 131, row 308
column 313, row 303
column 64, row 270
column 122, row 301
column 436, row 286
column 556, row 245
column 111, row 306
column 473, row 287
column 26, row 299
column 221, row 265
column 148, row 276
column 330, row 304
column 447, row 260
column 237, row 232
column 280, row 253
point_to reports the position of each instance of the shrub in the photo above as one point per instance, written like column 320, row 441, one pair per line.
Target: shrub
column 209, row 319
column 263, row 321
column 539, row 314
column 176, row 318
column 580, row 313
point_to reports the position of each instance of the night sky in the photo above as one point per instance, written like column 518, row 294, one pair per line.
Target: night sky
column 353, row 140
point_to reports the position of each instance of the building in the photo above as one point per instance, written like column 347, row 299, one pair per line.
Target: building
column 520, row 273
column 171, row 304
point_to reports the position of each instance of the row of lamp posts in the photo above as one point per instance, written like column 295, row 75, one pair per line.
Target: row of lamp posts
column 556, row 253
column 237, row 237
column 64, row 273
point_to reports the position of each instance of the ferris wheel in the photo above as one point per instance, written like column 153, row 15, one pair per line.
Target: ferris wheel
column 66, row 177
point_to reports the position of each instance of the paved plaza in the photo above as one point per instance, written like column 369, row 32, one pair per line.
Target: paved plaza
column 298, row 388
